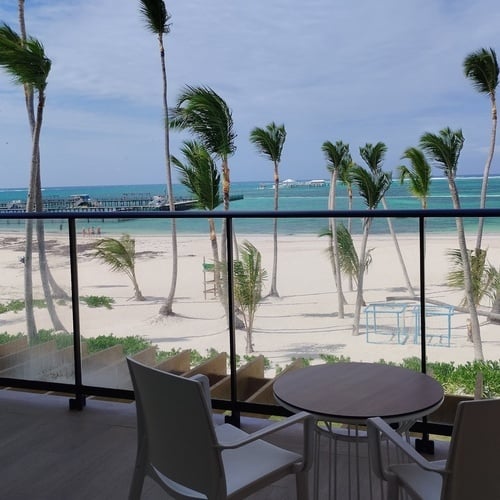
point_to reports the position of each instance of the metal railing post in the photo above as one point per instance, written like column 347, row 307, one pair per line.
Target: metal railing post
column 79, row 401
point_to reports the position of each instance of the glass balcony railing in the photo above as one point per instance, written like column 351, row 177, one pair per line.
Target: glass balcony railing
column 98, row 311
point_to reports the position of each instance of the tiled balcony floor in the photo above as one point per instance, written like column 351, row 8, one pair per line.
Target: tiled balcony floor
column 48, row 452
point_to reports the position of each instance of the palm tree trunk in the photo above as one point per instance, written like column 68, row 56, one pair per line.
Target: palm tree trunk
column 167, row 308
column 476, row 332
column 486, row 173
column 361, row 273
column 28, row 283
column 30, row 207
column 274, row 289
column 349, row 228
column 398, row 251
column 338, row 277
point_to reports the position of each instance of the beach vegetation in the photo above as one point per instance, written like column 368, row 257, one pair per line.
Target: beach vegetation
column 348, row 256
column 17, row 305
column 269, row 142
column 249, row 276
column 131, row 344
column 98, row 301
column 418, row 174
column 345, row 177
column 481, row 68
column 119, row 256
column 337, row 157
column 485, row 277
column 157, row 18
column 372, row 185
column 199, row 174
column 443, row 149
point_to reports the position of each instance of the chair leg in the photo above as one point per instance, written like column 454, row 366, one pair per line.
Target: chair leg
column 302, row 482
column 139, row 474
column 392, row 489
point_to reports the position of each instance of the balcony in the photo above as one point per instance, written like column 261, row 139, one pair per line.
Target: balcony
column 305, row 315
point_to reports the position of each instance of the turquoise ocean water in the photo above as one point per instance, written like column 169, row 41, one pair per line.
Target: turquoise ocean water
column 260, row 196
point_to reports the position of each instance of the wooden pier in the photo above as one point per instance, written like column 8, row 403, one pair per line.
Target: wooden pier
column 128, row 202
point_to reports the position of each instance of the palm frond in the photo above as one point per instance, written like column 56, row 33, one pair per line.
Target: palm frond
column 444, row 149
column 199, row 175
column 419, row 173
column 207, row 116
column 155, row 16
column 26, row 61
column 481, row 67
column 337, row 155
column 269, row 140
column 371, row 186
column 119, row 255
column 373, row 155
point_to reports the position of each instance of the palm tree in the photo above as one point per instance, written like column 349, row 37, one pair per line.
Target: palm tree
column 373, row 156
column 200, row 176
column 346, row 179
column 119, row 255
column 27, row 63
column 49, row 284
column 348, row 257
column 444, row 149
column 269, row 142
column 372, row 186
column 484, row 275
column 337, row 155
column 202, row 111
column 156, row 17
column 419, row 174
column 481, row 67
column 249, row 277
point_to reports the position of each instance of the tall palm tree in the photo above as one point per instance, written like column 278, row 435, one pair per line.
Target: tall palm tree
column 49, row 284
column 481, row 67
column 27, row 63
column 200, row 176
column 269, row 142
column 444, row 149
column 204, row 113
column 373, row 156
column 337, row 155
column 372, row 186
column 119, row 255
column 419, row 174
column 156, row 17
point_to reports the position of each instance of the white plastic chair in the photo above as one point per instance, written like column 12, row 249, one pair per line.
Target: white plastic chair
column 471, row 471
column 190, row 458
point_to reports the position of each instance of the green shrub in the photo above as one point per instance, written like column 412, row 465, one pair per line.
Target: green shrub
column 131, row 344
column 5, row 337
column 97, row 301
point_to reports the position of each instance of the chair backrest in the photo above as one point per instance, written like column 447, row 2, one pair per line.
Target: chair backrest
column 174, row 418
column 474, row 456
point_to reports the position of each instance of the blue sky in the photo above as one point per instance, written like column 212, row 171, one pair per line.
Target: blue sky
column 353, row 70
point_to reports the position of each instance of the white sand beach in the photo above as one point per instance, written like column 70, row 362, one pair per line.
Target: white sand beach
column 301, row 322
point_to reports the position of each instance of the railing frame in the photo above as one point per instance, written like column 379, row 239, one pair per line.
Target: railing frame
column 235, row 407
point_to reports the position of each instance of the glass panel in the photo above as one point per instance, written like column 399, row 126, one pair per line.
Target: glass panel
column 36, row 341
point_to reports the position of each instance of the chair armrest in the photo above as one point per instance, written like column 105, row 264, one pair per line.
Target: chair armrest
column 377, row 427
column 270, row 429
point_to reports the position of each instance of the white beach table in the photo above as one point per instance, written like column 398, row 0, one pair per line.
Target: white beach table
column 350, row 393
